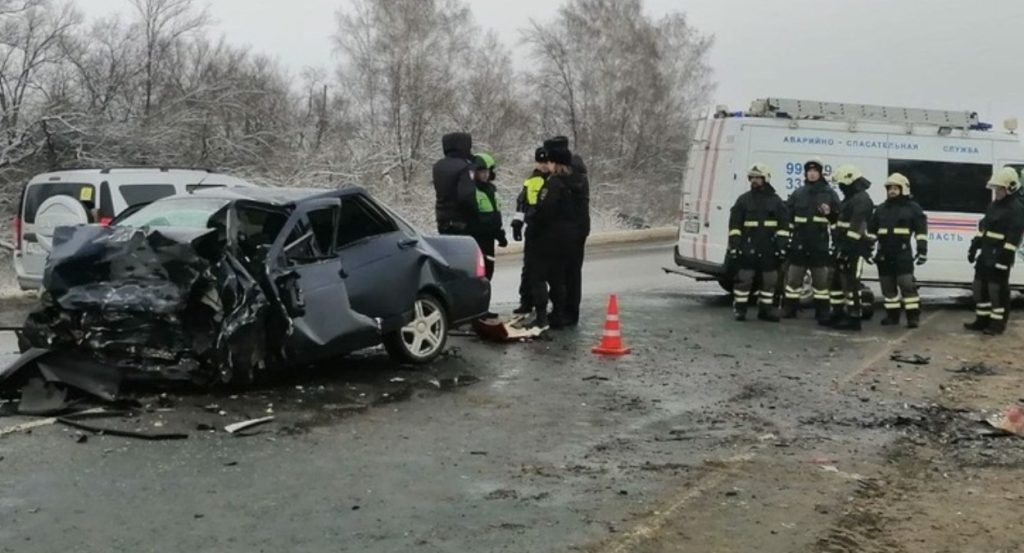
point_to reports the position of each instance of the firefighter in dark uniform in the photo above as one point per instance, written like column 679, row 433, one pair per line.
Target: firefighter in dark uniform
column 552, row 227
column 487, row 229
column 758, row 235
column 851, row 244
column 993, row 252
column 455, row 191
column 525, row 204
column 814, row 208
column 894, row 224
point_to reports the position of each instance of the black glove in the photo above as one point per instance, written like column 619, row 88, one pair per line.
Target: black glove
column 502, row 239
column 972, row 254
column 921, row 259
column 517, row 230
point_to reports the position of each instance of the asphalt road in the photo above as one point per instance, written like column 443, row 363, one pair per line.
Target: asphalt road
column 521, row 447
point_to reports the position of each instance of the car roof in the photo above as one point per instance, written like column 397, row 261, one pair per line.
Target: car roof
column 277, row 195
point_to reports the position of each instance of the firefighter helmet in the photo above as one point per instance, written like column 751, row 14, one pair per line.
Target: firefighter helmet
column 1007, row 178
column 814, row 162
column 896, row 179
column 845, row 175
column 485, row 161
column 760, row 170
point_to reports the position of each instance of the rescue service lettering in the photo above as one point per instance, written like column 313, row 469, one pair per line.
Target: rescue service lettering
column 881, row 145
column 945, row 237
column 955, row 149
column 810, row 140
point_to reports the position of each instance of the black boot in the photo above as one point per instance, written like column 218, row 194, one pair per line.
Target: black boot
column 540, row 321
column 837, row 316
column 522, row 310
column 821, row 312
column 996, row 327
column 790, row 306
column 980, row 323
column 739, row 311
column 766, row 312
column 913, row 318
column 850, row 322
column 892, row 317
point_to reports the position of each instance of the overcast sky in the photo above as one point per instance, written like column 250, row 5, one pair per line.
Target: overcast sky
column 948, row 54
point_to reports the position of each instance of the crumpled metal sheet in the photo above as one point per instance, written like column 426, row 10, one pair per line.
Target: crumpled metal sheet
column 148, row 304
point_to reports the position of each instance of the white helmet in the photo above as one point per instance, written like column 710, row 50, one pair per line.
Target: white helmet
column 1007, row 178
column 896, row 179
column 845, row 175
column 760, row 170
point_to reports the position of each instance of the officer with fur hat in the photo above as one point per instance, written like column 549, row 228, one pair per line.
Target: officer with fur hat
column 814, row 207
column 851, row 244
column 993, row 252
column 758, row 236
column 580, row 192
column 894, row 224
column 526, row 202
column 552, row 227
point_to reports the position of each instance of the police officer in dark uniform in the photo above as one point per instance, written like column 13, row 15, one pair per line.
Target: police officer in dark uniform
column 993, row 252
column 552, row 226
column 455, row 204
column 574, row 278
column 758, row 235
column 814, row 208
column 525, row 204
column 487, row 229
column 894, row 223
column 851, row 245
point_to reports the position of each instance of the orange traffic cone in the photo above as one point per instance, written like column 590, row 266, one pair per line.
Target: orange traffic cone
column 611, row 342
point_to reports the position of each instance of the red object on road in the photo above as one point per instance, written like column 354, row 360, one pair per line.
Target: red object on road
column 611, row 341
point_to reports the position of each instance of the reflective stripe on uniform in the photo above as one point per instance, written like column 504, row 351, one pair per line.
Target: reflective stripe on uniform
column 997, row 315
column 892, row 303
column 996, row 235
column 823, row 220
column 820, row 294
column 799, row 219
column 1002, row 267
column 901, row 231
column 883, row 231
column 735, row 232
column 853, row 235
column 1010, row 246
column 912, row 304
column 792, row 293
column 983, row 309
column 751, row 223
column 843, row 224
column 771, row 224
column 783, row 233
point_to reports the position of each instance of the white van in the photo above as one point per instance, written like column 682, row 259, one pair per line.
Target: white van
column 948, row 157
column 84, row 196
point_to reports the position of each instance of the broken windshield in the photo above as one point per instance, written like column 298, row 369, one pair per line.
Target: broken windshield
column 186, row 212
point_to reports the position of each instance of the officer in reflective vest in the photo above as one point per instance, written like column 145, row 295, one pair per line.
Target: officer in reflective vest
column 993, row 252
column 487, row 229
column 851, row 244
column 526, row 202
column 894, row 223
column 758, row 235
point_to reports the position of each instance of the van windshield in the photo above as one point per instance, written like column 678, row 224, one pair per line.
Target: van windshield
column 184, row 212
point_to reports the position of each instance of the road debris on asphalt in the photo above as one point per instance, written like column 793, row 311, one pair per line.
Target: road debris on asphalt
column 245, row 425
column 914, row 359
column 107, row 431
column 1011, row 421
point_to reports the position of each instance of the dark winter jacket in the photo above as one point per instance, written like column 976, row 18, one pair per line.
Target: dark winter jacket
column 999, row 234
column 455, row 191
column 894, row 223
column 553, row 221
column 759, row 229
column 851, row 237
column 814, row 207
column 581, row 196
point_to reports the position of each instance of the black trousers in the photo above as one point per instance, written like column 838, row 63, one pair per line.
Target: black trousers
column 574, row 281
column 525, row 289
column 845, row 288
column 991, row 289
column 548, row 268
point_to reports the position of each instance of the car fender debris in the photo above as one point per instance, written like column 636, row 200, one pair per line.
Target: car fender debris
column 245, row 425
column 148, row 436
column 914, row 359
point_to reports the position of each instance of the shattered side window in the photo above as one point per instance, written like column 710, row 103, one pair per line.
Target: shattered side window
column 302, row 246
column 323, row 228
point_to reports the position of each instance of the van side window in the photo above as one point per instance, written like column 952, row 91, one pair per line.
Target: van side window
column 135, row 194
column 947, row 186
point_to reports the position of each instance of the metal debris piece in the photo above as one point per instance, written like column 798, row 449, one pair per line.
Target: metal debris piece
column 910, row 359
column 156, row 436
column 245, row 425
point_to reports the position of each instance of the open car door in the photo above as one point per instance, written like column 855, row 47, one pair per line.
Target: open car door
column 309, row 280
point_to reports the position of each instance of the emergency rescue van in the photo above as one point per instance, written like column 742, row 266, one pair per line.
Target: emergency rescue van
column 948, row 156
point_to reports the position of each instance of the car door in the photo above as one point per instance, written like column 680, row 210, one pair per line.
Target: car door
column 381, row 261
column 309, row 280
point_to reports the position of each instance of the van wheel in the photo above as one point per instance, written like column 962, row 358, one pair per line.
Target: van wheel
column 423, row 339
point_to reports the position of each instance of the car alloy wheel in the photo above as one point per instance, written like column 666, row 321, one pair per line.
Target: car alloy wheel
column 424, row 337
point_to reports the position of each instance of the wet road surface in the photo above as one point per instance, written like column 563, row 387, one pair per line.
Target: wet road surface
column 525, row 447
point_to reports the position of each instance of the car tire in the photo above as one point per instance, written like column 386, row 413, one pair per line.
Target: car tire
column 424, row 338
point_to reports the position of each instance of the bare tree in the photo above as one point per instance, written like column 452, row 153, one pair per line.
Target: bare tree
column 163, row 23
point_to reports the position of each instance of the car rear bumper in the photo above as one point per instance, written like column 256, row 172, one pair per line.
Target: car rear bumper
column 468, row 299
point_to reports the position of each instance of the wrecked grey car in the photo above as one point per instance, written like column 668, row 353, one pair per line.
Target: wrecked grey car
column 222, row 285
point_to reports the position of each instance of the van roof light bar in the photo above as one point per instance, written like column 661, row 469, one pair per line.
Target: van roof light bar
column 836, row 111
